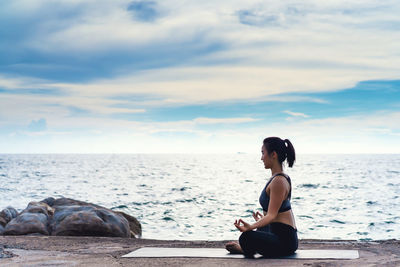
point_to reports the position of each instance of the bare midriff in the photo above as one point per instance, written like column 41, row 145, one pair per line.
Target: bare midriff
column 285, row 217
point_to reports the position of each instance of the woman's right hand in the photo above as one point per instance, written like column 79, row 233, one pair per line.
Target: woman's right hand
column 257, row 215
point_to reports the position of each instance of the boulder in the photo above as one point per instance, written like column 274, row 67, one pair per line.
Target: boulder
column 7, row 215
column 134, row 225
column 67, row 202
column 88, row 221
column 27, row 223
column 34, row 219
column 3, row 222
column 135, row 228
column 68, row 217
column 39, row 207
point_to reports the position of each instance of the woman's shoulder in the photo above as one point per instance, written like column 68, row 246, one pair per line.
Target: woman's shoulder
column 280, row 175
column 281, row 178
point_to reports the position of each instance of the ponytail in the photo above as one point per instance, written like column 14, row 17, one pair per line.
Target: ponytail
column 283, row 148
column 290, row 153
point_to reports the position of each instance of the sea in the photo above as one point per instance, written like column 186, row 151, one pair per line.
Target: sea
column 199, row 196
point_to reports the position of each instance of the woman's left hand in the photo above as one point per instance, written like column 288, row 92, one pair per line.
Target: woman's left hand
column 257, row 215
column 242, row 225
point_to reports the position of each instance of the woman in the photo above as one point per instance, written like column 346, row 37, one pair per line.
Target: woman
column 276, row 233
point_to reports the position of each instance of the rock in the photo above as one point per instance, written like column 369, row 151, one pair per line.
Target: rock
column 49, row 201
column 39, row 207
column 134, row 225
column 32, row 220
column 68, row 217
column 88, row 221
column 27, row 223
column 67, row 202
column 7, row 215
column 3, row 222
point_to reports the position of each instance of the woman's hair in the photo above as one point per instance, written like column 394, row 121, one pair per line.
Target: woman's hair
column 283, row 148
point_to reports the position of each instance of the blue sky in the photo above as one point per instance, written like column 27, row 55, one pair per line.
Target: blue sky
column 199, row 76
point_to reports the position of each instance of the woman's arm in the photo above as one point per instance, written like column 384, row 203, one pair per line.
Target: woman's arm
column 278, row 192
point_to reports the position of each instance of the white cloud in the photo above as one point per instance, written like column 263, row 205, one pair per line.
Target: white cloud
column 21, row 82
column 295, row 47
column 354, row 134
column 206, row 84
column 296, row 114
column 223, row 120
column 318, row 46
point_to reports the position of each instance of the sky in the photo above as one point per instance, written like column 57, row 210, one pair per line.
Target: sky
column 97, row 76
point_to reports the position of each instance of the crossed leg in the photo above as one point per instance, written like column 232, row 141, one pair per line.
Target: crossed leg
column 264, row 243
column 233, row 247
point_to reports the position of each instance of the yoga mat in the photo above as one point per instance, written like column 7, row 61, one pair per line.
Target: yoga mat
column 157, row 252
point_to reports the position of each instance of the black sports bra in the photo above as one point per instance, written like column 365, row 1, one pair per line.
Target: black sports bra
column 264, row 197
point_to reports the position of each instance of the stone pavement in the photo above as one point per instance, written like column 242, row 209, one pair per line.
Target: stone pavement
column 105, row 251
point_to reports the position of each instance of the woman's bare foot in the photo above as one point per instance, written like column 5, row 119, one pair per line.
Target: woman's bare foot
column 234, row 248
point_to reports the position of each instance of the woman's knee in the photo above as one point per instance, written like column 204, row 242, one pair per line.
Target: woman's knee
column 244, row 235
column 245, row 238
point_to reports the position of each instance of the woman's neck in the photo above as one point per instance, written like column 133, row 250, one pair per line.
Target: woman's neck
column 276, row 169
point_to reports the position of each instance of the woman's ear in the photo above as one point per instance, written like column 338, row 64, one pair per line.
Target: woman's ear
column 274, row 155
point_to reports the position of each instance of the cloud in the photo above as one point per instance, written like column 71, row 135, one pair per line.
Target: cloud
column 296, row 114
column 144, row 10
column 78, row 37
column 60, row 111
column 21, row 82
column 207, row 84
column 354, row 134
column 37, row 125
column 121, row 65
column 223, row 120
column 249, row 17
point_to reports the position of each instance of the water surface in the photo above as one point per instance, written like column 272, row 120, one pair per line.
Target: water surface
column 199, row 196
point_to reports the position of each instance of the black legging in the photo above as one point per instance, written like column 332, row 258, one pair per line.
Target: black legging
column 273, row 240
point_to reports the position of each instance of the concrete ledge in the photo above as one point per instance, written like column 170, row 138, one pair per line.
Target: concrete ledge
column 104, row 251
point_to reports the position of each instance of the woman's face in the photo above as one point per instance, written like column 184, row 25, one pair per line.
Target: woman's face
column 267, row 159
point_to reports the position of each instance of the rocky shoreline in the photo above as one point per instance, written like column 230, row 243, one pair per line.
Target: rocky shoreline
column 107, row 251
column 68, row 217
